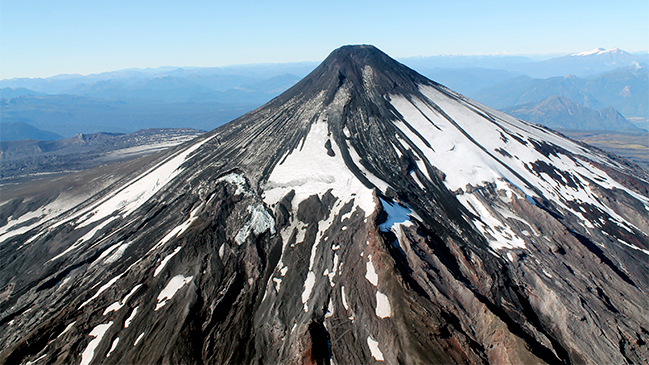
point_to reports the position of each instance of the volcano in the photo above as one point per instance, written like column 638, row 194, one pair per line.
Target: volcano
column 365, row 215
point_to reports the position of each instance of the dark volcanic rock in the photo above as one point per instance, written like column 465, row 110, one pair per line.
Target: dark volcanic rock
column 366, row 215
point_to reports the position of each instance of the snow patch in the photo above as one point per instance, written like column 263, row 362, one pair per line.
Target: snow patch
column 308, row 287
column 170, row 290
column 344, row 297
column 117, row 254
column 137, row 340
column 330, row 309
column 374, row 348
column 98, row 333
column 238, row 180
column 383, row 309
column 118, row 305
column 310, row 169
column 278, row 284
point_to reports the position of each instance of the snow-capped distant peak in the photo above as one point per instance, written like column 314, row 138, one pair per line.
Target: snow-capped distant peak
column 596, row 51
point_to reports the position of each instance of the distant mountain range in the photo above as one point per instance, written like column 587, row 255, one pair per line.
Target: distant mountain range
column 73, row 114
column 214, row 78
column 580, row 64
column 625, row 89
column 204, row 98
column 561, row 112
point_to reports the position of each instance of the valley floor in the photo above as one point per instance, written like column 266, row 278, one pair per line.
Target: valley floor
column 631, row 145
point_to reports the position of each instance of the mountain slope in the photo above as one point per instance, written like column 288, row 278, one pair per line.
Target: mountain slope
column 560, row 112
column 366, row 214
column 15, row 131
column 625, row 89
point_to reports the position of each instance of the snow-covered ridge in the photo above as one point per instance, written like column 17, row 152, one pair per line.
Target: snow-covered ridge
column 475, row 145
column 123, row 201
column 128, row 199
column 597, row 51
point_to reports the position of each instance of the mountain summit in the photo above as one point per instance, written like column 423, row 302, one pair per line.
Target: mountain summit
column 365, row 215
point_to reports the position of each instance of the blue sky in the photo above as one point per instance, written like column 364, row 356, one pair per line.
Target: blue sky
column 44, row 38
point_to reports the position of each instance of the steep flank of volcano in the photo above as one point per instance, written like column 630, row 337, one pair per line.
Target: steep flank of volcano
column 366, row 215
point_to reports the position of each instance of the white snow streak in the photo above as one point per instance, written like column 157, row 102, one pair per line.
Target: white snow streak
column 67, row 328
column 164, row 261
column 113, row 346
column 137, row 340
column 128, row 320
column 308, row 287
column 85, row 237
column 344, row 297
column 178, row 230
column 117, row 254
column 133, row 195
column 101, row 290
column 503, row 236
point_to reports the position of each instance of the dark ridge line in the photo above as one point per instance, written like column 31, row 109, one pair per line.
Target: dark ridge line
column 454, row 320
column 602, row 256
column 412, row 129
column 409, row 97
column 338, row 136
column 401, row 263
column 535, row 320
column 15, row 314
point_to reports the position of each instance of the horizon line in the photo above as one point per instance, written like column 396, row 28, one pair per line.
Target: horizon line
column 503, row 54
